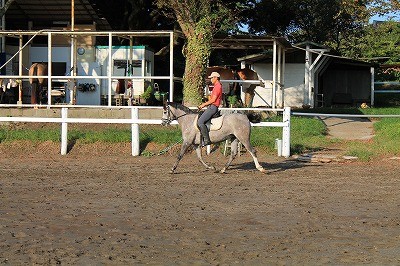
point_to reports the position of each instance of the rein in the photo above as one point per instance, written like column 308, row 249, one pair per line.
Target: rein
column 169, row 119
column 177, row 117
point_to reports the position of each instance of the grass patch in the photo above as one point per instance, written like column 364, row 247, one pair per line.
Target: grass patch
column 37, row 135
column 307, row 134
column 387, row 132
column 161, row 134
column 361, row 150
column 106, row 135
column 387, row 136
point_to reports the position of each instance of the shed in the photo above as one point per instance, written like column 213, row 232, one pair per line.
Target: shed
column 313, row 77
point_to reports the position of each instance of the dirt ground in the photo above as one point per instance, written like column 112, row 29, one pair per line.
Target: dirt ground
column 95, row 207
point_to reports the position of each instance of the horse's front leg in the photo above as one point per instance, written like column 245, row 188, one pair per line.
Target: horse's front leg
column 198, row 152
column 234, row 150
column 185, row 146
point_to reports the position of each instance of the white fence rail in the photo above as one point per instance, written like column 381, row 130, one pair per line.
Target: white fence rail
column 344, row 115
column 135, row 121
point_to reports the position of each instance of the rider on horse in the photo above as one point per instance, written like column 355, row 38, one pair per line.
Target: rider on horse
column 213, row 103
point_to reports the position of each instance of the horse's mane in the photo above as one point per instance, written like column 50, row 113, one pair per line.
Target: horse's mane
column 182, row 107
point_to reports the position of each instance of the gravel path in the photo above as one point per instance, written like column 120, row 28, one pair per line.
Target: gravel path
column 349, row 128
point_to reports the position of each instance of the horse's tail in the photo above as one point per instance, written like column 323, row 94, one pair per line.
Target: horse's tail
column 33, row 71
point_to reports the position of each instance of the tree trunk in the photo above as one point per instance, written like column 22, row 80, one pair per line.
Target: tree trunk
column 5, row 8
column 197, row 54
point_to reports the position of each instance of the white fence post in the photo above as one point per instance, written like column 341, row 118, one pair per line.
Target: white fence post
column 286, row 133
column 64, row 131
column 135, row 132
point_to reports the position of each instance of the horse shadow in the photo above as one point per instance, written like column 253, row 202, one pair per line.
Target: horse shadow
column 70, row 145
column 274, row 167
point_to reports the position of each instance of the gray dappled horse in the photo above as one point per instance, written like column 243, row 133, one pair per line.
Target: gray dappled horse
column 233, row 126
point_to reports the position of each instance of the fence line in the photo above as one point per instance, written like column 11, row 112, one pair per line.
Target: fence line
column 135, row 121
column 387, row 82
column 386, row 91
column 344, row 115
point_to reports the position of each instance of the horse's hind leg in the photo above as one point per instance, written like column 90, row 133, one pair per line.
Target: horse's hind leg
column 246, row 143
column 198, row 152
column 234, row 151
column 34, row 93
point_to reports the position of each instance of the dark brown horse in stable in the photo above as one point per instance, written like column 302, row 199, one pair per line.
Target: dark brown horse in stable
column 249, row 89
column 233, row 88
column 37, row 69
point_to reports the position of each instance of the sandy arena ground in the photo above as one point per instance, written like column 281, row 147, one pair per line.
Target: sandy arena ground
column 95, row 207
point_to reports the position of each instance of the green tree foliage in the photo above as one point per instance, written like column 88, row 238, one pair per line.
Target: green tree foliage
column 339, row 24
column 382, row 7
column 199, row 21
column 380, row 41
column 320, row 21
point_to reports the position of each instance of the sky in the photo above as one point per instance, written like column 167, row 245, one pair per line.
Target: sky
column 396, row 17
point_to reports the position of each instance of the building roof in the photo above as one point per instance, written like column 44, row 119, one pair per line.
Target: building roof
column 296, row 53
column 248, row 41
column 46, row 14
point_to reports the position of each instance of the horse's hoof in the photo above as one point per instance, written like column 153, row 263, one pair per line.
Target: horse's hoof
column 223, row 171
column 262, row 170
column 172, row 172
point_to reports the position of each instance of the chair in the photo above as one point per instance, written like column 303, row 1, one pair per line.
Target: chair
column 119, row 100
column 320, row 100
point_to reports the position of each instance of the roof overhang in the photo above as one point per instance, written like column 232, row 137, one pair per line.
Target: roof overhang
column 45, row 14
column 246, row 42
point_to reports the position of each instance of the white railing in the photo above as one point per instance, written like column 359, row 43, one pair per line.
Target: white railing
column 135, row 121
column 345, row 115
column 374, row 91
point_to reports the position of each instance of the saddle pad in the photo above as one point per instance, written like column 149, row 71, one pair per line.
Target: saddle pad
column 216, row 123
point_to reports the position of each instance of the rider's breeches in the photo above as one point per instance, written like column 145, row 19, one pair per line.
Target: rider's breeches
column 206, row 116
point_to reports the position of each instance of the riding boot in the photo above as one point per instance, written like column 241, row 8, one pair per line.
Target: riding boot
column 205, row 135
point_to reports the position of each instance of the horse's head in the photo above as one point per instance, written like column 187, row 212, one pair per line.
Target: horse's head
column 166, row 117
column 173, row 111
column 168, row 114
column 247, row 74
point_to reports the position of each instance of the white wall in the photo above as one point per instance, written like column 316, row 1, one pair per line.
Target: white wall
column 88, row 97
column 294, row 85
column 122, row 53
column 58, row 54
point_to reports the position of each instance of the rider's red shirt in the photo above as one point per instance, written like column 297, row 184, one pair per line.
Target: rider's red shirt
column 217, row 90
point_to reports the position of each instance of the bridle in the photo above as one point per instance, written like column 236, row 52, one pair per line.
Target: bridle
column 167, row 119
column 169, row 116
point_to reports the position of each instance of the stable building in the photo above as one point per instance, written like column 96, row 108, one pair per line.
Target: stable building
column 312, row 78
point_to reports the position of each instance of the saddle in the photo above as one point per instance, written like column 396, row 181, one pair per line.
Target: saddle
column 214, row 124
